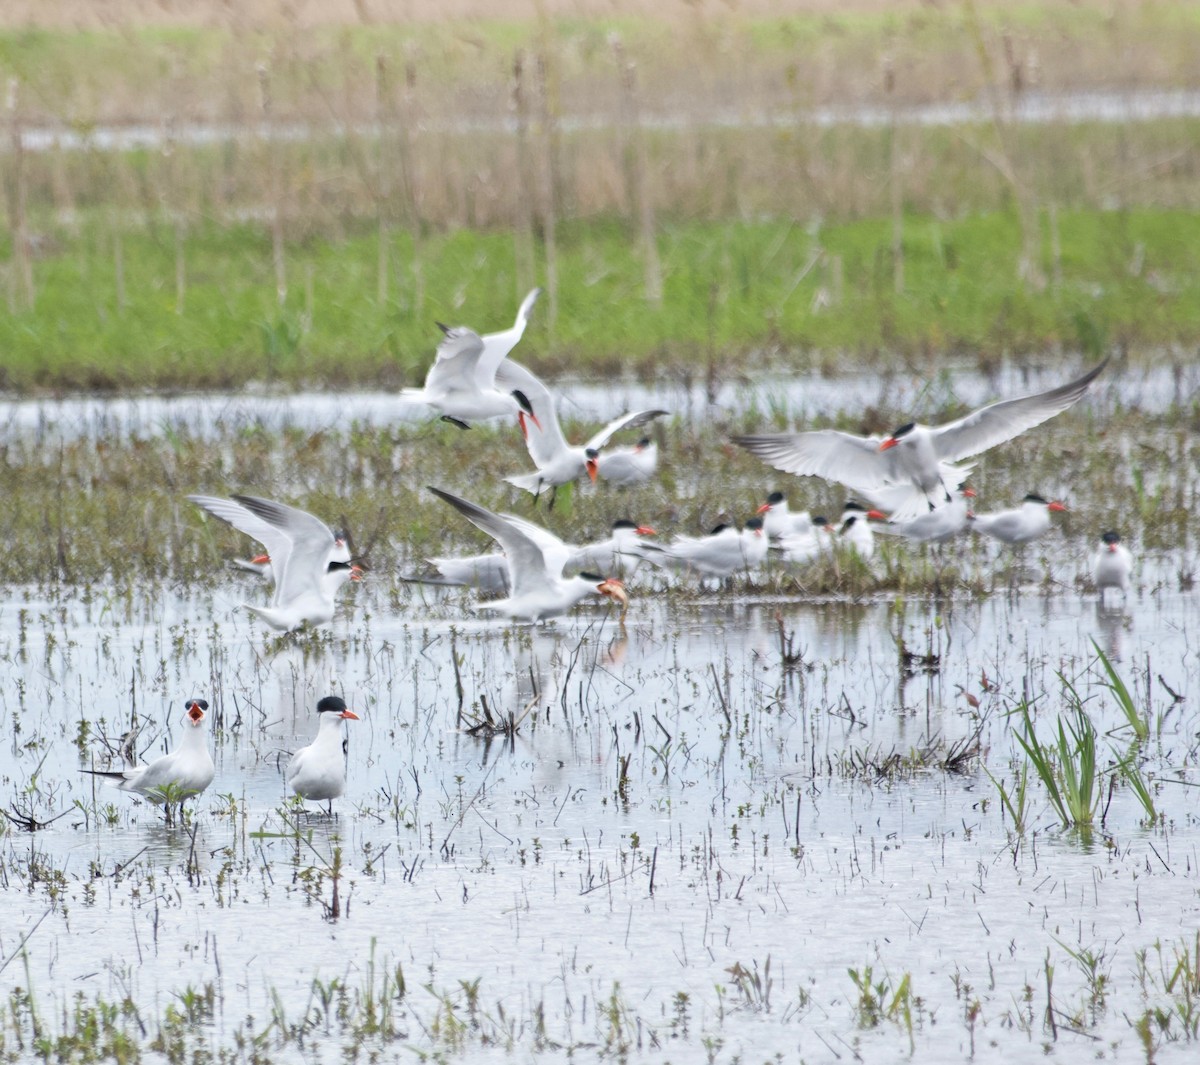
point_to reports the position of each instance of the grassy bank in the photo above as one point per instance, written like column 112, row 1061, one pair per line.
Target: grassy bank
column 151, row 306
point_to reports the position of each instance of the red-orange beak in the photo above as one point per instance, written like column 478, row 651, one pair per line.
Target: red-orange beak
column 1112, row 548
column 356, row 573
column 969, row 493
column 1056, row 505
column 350, row 715
column 195, row 714
column 763, row 509
column 261, row 560
column 645, row 530
column 890, row 442
column 876, row 515
column 593, row 469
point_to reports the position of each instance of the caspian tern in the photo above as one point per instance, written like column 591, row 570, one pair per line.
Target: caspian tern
column 856, row 532
column 779, row 522
column 722, row 553
column 185, row 772
column 1019, row 525
column 627, row 466
column 557, row 462
column 318, row 771
column 934, row 526
column 537, row 588
column 462, row 385
column 799, row 547
column 1113, row 565
column 919, row 457
column 488, row 573
column 618, row 555
column 308, row 563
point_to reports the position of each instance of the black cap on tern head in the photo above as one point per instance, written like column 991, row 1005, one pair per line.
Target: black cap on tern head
column 522, row 401
column 853, row 504
column 1033, row 497
column 1111, row 537
column 904, row 430
column 754, row 523
column 592, row 453
column 820, row 520
column 623, row 523
column 775, row 498
column 718, row 528
column 591, row 577
column 331, row 704
column 645, row 442
column 189, row 703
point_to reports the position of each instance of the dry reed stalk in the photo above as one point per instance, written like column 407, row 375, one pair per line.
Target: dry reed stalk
column 897, row 188
column 549, row 201
column 21, row 292
column 1028, row 268
column 410, row 176
column 274, row 167
column 523, row 225
column 637, row 174
column 383, row 118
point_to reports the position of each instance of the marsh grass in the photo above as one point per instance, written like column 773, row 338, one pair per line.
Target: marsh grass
column 89, row 329
column 365, row 180
column 1066, row 765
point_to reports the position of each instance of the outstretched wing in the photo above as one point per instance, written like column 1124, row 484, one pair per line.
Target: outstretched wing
column 626, row 421
column 998, row 422
column 527, row 564
column 842, row 457
column 497, row 345
column 457, row 363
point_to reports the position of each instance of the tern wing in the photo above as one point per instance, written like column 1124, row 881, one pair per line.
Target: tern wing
column 276, row 540
column 626, row 421
column 497, row 345
column 527, row 564
column 1001, row 421
column 311, row 543
column 554, row 551
column 457, row 362
column 843, row 457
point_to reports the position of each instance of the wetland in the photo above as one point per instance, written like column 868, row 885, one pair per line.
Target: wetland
column 794, row 818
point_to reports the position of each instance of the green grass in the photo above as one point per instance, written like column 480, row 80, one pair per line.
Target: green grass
column 731, row 290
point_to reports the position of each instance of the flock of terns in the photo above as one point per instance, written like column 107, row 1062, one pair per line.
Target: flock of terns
column 914, row 480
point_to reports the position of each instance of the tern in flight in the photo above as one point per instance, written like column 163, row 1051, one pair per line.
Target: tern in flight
column 461, row 383
column 918, row 457
column 558, row 462
column 537, row 588
column 307, row 562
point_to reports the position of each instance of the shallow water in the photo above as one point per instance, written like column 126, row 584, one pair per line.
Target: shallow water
column 1030, row 108
column 800, row 396
column 747, row 831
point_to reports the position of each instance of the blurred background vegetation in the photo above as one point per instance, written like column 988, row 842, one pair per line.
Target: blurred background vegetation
column 204, row 194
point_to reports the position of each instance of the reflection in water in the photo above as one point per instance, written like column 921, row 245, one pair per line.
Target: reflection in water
column 1112, row 623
